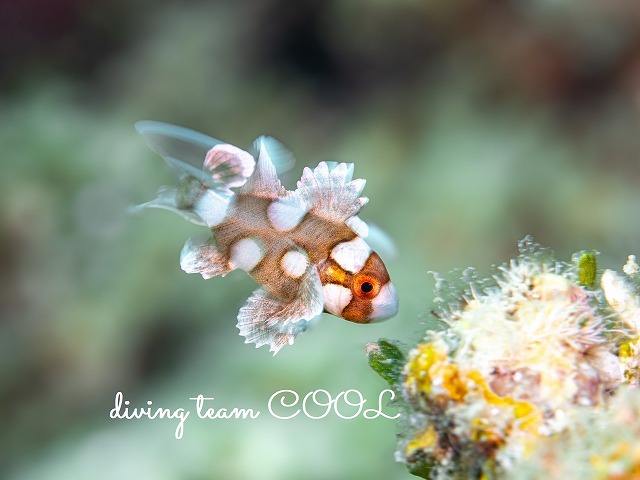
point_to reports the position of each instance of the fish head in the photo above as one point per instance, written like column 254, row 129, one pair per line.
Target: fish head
column 358, row 293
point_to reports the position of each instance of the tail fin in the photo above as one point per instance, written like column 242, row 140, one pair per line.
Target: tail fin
column 207, row 168
column 217, row 165
column 192, row 200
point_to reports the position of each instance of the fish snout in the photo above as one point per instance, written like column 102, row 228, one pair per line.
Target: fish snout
column 385, row 304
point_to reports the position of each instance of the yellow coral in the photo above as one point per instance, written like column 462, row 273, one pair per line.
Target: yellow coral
column 626, row 349
column 425, row 441
column 482, row 430
column 430, row 371
column 447, row 376
column 622, row 462
column 418, row 368
column 528, row 365
column 629, row 355
column 526, row 413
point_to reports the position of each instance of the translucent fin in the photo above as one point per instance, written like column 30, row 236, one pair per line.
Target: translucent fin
column 204, row 258
column 281, row 157
column 264, row 182
column 210, row 168
column 381, row 242
column 213, row 163
column 191, row 201
column 267, row 320
column 331, row 193
column 378, row 239
column 176, row 143
column 166, row 199
column 358, row 226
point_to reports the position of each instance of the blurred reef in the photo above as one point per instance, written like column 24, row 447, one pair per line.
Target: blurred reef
column 474, row 122
column 534, row 373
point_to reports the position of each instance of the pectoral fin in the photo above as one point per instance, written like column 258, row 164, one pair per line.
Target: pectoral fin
column 268, row 320
column 377, row 238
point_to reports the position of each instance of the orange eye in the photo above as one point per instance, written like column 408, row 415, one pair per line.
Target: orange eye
column 365, row 286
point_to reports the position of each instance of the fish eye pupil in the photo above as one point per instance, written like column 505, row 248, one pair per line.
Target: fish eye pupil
column 366, row 287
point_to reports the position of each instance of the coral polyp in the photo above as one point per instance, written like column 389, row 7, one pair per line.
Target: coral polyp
column 527, row 354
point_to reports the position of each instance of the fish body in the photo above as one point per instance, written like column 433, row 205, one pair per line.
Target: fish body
column 306, row 248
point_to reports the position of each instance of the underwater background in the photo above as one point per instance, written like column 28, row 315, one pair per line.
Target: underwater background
column 474, row 122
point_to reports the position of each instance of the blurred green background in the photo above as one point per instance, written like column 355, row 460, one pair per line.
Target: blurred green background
column 475, row 122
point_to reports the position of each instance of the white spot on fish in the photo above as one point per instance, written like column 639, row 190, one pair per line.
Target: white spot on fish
column 336, row 298
column 211, row 208
column 287, row 213
column 294, row 263
column 351, row 255
column 246, row 253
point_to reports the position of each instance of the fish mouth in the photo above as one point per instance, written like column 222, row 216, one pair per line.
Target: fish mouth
column 385, row 305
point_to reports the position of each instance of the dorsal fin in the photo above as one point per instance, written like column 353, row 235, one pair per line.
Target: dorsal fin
column 264, row 182
column 331, row 165
column 281, row 157
column 331, row 193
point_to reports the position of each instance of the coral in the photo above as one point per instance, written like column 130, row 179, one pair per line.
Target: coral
column 534, row 354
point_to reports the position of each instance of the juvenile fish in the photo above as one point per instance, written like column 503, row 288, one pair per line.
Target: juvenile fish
column 306, row 248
